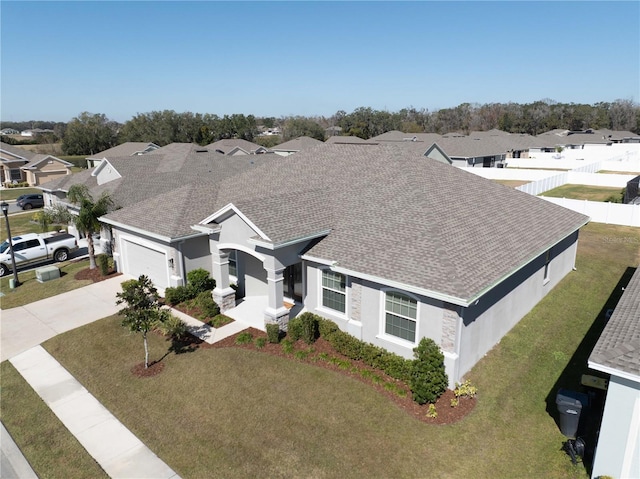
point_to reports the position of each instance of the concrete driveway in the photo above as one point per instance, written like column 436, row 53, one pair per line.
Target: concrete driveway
column 31, row 324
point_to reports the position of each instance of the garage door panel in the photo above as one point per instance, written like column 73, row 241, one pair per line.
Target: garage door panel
column 151, row 263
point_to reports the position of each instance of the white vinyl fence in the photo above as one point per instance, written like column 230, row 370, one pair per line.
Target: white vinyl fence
column 610, row 213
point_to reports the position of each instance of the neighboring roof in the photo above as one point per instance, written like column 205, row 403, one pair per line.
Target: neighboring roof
column 129, row 148
column 10, row 153
column 349, row 140
column 468, row 147
column 37, row 159
column 229, row 145
column 617, row 352
column 297, row 144
column 398, row 136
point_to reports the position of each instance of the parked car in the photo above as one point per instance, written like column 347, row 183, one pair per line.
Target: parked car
column 32, row 248
column 27, row 202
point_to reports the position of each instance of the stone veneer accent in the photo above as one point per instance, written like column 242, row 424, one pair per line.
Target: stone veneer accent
column 225, row 301
column 356, row 299
column 282, row 321
column 449, row 328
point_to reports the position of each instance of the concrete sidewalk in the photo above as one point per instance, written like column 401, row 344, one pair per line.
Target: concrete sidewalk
column 29, row 325
column 113, row 446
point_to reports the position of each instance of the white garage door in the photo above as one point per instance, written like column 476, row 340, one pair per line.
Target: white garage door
column 143, row 260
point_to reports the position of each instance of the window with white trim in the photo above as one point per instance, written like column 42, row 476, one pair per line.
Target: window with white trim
column 400, row 316
column 16, row 174
column 334, row 291
column 233, row 263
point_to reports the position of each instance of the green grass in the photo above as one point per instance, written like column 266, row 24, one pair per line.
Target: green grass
column 583, row 192
column 13, row 193
column 237, row 413
column 20, row 223
column 31, row 290
column 34, row 426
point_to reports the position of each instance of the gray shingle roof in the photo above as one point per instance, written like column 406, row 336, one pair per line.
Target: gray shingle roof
column 619, row 345
column 390, row 210
column 129, row 148
column 297, row 144
column 12, row 153
column 391, row 215
column 229, row 144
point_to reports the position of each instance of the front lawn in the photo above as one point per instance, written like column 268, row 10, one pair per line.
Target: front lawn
column 230, row 412
column 31, row 290
column 584, row 192
column 20, row 223
column 13, row 193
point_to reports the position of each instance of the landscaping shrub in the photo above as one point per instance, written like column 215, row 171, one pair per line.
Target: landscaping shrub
column 200, row 280
column 103, row 264
column 178, row 295
column 173, row 327
column 326, row 327
column 287, row 346
column 273, row 333
column 244, row 338
column 394, row 365
column 207, row 305
column 309, row 327
column 428, row 377
column 294, row 328
column 260, row 342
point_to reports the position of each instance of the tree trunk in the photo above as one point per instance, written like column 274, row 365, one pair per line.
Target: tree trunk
column 91, row 250
column 146, row 351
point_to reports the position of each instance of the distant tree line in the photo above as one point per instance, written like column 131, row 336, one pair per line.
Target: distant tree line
column 90, row 133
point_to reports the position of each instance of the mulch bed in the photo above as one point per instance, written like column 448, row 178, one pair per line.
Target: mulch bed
column 446, row 413
column 95, row 275
column 154, row 368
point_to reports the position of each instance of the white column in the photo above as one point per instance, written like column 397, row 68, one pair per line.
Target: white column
column 223, row 294
column 276, row 312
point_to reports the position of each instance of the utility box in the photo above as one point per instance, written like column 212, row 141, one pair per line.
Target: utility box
column 570, row 405
column 47, row 273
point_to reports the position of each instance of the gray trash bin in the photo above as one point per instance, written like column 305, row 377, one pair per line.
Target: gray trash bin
column 570, row 404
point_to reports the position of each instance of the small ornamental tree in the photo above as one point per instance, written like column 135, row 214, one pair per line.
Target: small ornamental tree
column 142, row 311
column 428, row 377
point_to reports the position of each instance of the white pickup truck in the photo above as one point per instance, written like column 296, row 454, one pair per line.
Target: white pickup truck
column 32, row 248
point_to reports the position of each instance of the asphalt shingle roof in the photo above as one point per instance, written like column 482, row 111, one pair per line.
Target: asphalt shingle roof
column 619, row 344
column 297, row 144
column 129, row 148
column 11, row 153
column 391, row 212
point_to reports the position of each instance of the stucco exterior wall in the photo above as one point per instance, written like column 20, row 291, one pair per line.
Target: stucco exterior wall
column 196, row 254
column 618, row 450
column 496, row 312
column 465, row 335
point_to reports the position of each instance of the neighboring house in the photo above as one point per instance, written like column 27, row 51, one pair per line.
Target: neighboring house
column 130, row 148
column 44, row 168
column 18, row 165
column 11, row 159
column 34, row 132
column 294, row 146
column 237, row 147
column 617, row 353
column 365, row 235
column 9, row 131
column 468, row 152
column 333, row 131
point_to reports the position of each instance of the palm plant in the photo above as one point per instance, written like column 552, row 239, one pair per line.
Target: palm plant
column 90, row 211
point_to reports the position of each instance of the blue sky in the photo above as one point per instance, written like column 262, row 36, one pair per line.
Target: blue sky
column 309, row 58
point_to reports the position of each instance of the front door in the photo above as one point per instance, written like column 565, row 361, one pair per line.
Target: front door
column 292, row 284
